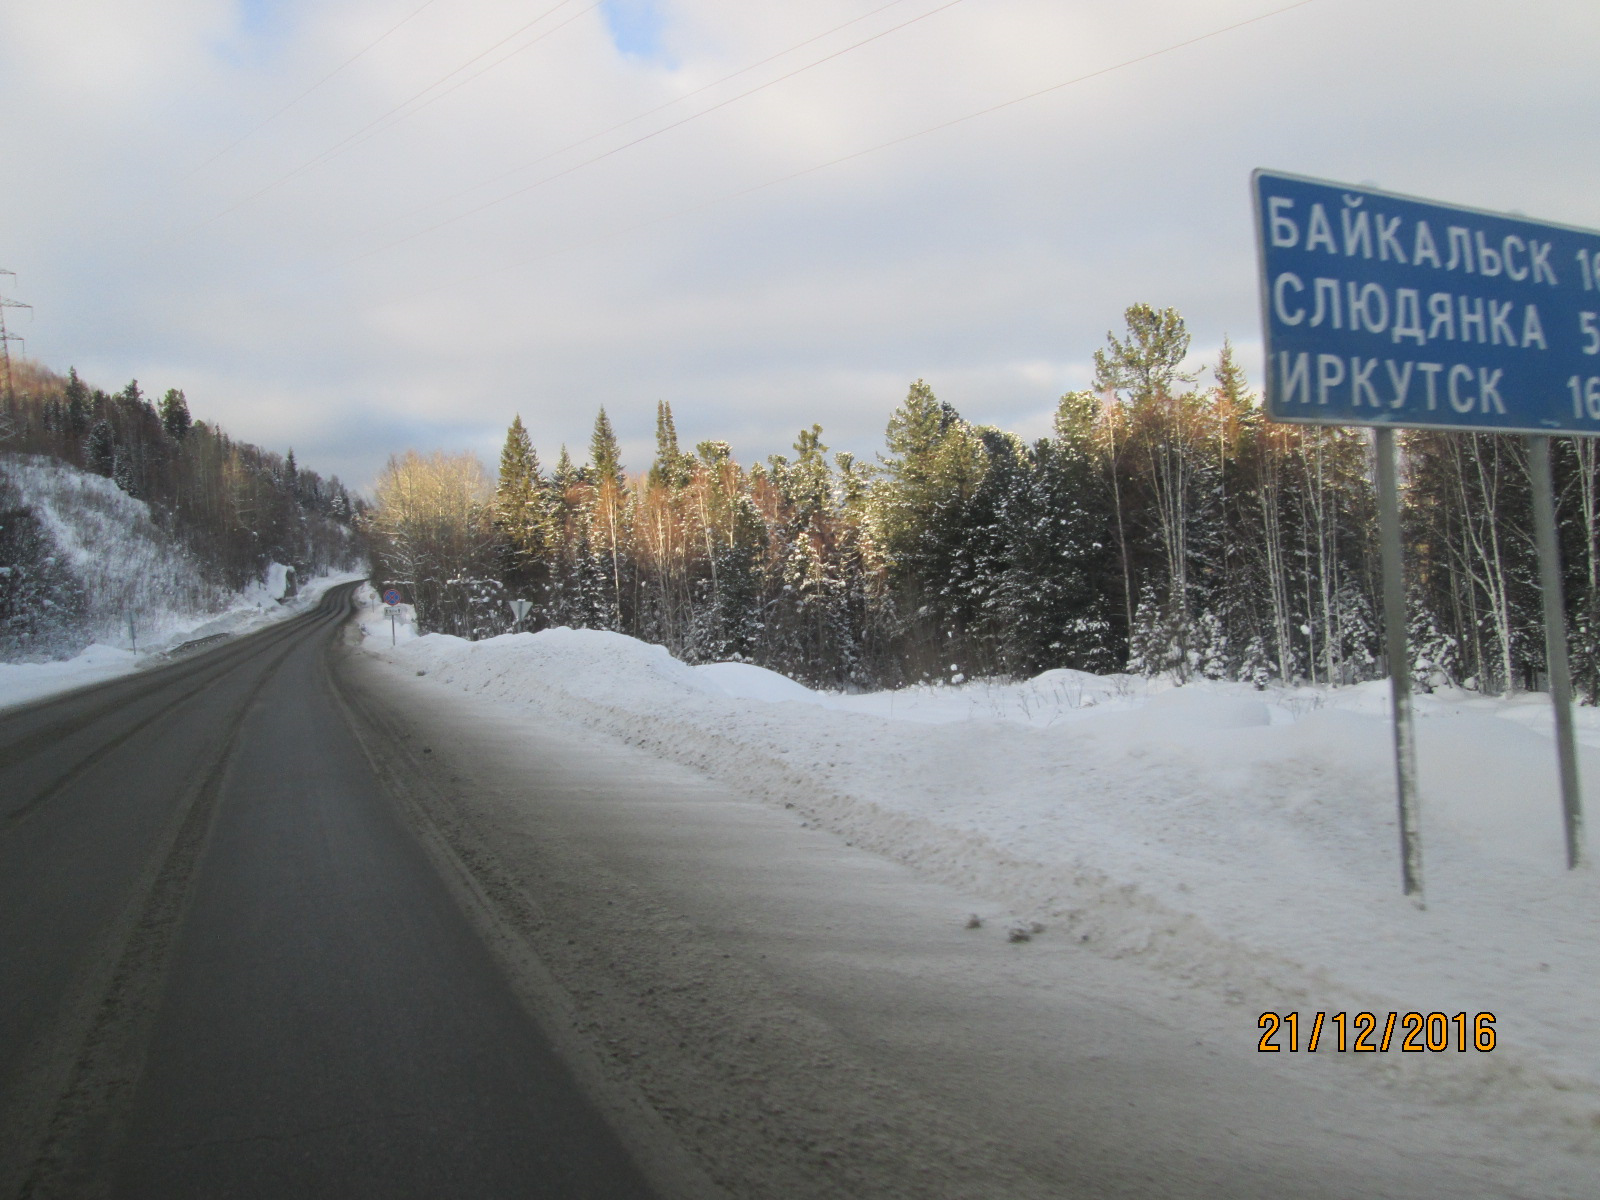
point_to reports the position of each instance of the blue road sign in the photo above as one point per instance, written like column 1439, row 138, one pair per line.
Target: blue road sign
column 1381, row 309
column 391, row 597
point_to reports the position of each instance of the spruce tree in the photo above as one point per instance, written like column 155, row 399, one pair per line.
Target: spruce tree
column 100, row 448
column 1230, row 375
column 175, row 417
column 561, row 498
column 922, row 523
column 607, row 514
column 520, row 510
column 78, row 404
column 672, row 467
column 605, row 455
column 123, row 475
column 519, row 476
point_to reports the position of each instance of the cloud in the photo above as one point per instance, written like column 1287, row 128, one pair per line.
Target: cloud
column 760, row 265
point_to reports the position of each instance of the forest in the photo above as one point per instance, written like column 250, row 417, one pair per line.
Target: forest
column 230, row 507
column 1165, row 527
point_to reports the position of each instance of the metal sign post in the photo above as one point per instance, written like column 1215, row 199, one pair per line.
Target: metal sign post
column 1394, row 631
column 1555, row 642
column 392, row 610
column 1393, row 312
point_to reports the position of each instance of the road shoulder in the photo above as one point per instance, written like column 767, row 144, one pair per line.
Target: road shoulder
column 789, row 1015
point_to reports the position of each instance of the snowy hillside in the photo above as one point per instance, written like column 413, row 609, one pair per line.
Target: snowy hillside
column 1240, row 842
column 116, row 561
column 120, row 560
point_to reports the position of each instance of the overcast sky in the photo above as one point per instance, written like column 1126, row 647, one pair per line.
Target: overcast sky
column 358, row 226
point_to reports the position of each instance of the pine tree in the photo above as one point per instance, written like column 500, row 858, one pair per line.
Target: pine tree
column 1165, row 444
column 1145, row 365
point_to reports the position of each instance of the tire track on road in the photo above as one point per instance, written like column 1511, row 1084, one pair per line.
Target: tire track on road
column 209, row 670
column 71, row 1106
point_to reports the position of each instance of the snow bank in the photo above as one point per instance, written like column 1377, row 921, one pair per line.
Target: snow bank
column 375, row 626
column 1238, row 841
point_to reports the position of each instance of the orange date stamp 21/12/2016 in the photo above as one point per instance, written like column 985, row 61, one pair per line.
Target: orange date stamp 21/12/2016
column 1365, row 1032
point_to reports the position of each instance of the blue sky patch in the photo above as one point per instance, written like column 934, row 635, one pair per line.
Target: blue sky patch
column 635, row 26
column 261, row 19
column 259, row 29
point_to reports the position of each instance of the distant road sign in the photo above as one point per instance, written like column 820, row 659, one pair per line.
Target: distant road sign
column 391, row 597
column 1381, row 309
column 519, row 608
column 394, row 613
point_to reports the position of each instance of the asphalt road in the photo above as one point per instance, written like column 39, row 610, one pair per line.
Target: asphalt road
column 227, row 967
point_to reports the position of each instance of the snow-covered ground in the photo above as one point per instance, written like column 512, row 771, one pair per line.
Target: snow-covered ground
column 1239, row 842
column 21, row 683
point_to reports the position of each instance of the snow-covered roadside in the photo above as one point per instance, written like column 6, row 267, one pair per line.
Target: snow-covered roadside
column 22, row 683
column 1237, row 841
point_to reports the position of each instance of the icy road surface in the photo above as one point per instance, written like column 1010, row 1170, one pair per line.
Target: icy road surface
column 228, row 969
column 745, row 909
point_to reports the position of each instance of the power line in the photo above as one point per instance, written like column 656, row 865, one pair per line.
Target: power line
column 528, row 45
column 358, row 137
column 259, row 126
column 676, row 100
column 662, row 218
column 538, row 183
column 1004, row 104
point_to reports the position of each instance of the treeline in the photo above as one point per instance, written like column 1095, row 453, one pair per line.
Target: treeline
column 236, row 507
column 1163, row 527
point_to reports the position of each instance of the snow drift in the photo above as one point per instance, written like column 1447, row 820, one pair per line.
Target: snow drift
column 1239, row 841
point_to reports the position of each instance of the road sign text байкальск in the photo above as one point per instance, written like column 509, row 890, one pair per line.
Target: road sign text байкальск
column 1380, row 309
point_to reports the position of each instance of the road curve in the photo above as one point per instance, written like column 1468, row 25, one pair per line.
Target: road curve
column 230, row 970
